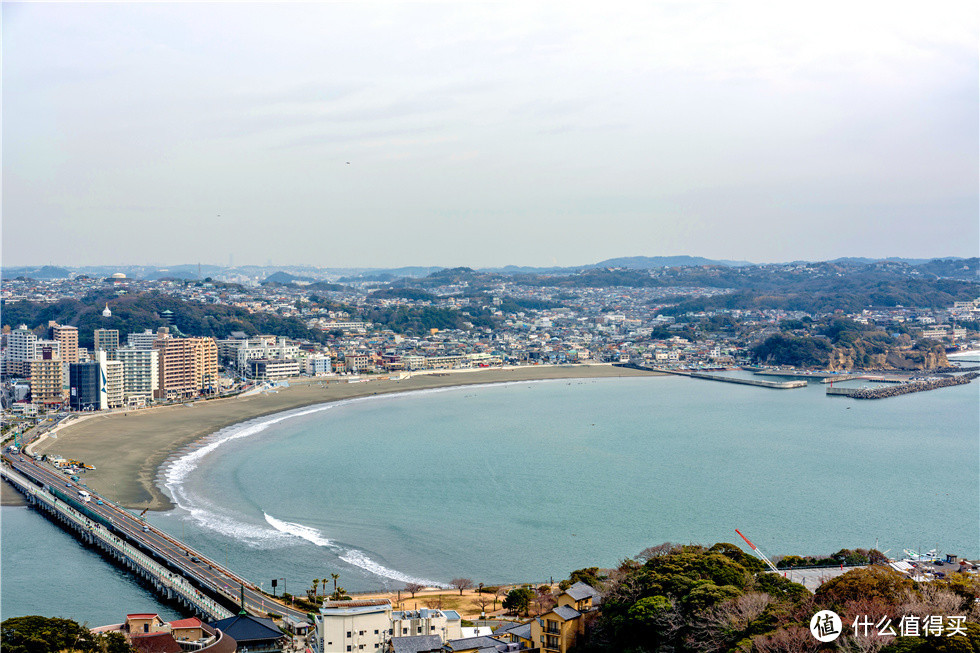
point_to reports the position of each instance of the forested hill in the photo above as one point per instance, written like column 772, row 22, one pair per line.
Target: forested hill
column 134, row 313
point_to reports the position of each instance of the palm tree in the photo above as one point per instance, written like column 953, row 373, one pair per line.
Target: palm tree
column 316, row 583
column 335, row 577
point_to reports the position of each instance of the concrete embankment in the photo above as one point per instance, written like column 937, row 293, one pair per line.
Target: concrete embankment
column 902, row 388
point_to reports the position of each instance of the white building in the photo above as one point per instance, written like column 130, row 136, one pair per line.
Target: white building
column 447, row 624
column 280, row 350
column 318, row 365
column 114, row 381
column 141, row 340
column 141, row 372
column 21, row 350
column 345, row 626
column 270, row 369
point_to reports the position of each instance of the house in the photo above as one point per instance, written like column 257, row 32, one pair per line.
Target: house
column 557, row 630
column 517, row 633
column 252, row 633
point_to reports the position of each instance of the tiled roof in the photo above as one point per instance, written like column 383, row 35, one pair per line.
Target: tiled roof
column 245, row 628
column 566, row 612
column 580, row 591
column 192, row 622
column 416, row 644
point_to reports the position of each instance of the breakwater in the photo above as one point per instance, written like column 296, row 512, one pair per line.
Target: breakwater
column 902, row 388
column 778, row 385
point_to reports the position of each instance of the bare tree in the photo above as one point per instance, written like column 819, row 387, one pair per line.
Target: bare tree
column 656, row 551
column 793, row 639
column 544, row 598
column 461, row 584
column 482, row 599
column 413, row 588
column 499, row 592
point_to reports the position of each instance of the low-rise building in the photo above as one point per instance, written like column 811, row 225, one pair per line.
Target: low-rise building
column 444, row 623
column 343, row 626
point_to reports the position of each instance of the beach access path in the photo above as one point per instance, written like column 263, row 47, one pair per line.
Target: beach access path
column 129, row 447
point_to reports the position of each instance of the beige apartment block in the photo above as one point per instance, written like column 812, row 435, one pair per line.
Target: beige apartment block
column 67, row 336
column 46, row 381
column 114, row 383
column 186, row 366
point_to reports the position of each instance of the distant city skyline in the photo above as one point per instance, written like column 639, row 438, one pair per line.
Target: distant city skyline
column 402, row 134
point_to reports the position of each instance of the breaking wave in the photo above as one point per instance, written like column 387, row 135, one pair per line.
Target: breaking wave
column 354, row 557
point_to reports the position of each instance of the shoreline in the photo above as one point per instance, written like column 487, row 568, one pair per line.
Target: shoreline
column 130, row 448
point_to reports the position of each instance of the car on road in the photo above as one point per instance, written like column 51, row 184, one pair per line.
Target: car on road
column 195, row 559
column 100, row 502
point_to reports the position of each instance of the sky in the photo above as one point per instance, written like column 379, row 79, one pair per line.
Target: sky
column 384, row 134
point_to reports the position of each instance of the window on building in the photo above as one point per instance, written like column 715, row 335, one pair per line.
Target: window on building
column 348, row 633
column 361, row 633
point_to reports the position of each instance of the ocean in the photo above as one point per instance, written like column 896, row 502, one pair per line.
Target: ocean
column 529, row 481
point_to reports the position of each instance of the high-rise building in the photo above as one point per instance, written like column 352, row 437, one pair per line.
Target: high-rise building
column 21, row 350
column 87, row 383
column 46, row 379
column 187, row 365
column 68, row 337
column 114, row 383
column 108, row 341
column 141, row 372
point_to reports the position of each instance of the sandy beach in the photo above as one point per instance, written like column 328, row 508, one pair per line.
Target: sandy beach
column 128, row 448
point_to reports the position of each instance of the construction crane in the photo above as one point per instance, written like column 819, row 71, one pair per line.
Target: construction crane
column 759, row 553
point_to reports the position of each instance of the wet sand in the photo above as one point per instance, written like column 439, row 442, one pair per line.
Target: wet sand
column 128, row 448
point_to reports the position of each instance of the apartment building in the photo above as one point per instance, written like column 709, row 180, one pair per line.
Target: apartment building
column 145, row 339
column 113, row 382
column 108, row 341
column 47, row 386
column 67, row 337
column 271, row 369
column 318, row 365
column 141, row 372
column 261, row 348
column 343, row 626
column 186, row 366
column 87, row 383
column 447, row 624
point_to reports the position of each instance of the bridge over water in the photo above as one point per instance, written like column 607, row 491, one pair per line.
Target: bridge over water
column 174, row 570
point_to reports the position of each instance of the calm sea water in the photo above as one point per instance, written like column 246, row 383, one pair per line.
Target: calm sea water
column 45, row 571
column 531, row 480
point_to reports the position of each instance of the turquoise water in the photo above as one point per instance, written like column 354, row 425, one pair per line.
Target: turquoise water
column 526, row 481
column 45, row 571
column 531, row 480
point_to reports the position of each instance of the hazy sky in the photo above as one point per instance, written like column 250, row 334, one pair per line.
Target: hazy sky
column 488, row 134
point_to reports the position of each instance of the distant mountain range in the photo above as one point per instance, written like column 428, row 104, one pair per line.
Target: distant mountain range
column 306, row 273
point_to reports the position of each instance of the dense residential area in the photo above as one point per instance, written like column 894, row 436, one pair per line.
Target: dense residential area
column 170, row 339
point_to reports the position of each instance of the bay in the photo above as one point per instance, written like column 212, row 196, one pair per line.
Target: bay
column 527, row 481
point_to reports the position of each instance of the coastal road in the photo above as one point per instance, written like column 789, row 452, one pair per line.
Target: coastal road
column 208, row 575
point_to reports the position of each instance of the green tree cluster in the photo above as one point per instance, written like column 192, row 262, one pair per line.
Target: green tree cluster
column 36, row 634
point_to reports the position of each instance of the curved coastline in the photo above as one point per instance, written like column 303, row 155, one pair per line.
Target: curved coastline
column 131, row 448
